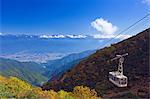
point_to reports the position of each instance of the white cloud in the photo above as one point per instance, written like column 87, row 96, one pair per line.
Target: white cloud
column 146, row 2
column 62, row 36
column 76, row 36
column 59, row 36
column 123, row 36
column 45, row 36
column 104, row 26
column 0, row 33
column 107, row 30
column 102, row 36
column 52, row 36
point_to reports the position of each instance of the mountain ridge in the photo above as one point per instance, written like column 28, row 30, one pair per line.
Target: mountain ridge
column 93, row 71
column 28, row 71
column 65, row 63
column 38, row 73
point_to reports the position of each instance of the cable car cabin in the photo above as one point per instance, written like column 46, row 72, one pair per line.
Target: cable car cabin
column 118, row 79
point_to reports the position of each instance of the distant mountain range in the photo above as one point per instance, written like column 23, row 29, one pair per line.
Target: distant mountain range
column 59, row 36
column 47, row 36
column 41, row 48
column 93, row 71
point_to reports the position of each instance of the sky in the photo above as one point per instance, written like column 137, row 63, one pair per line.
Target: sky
column 87, row 17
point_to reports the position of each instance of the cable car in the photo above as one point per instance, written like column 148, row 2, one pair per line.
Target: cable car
column 117, row 77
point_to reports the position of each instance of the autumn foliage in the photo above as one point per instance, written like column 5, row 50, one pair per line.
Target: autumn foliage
column 15, row 88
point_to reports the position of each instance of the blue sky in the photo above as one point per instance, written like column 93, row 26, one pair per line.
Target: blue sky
column 69, row 16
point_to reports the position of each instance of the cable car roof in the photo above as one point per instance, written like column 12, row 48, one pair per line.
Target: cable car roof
column 117, row 74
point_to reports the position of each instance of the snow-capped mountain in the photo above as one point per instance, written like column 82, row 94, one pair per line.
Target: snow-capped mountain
column 41, row 48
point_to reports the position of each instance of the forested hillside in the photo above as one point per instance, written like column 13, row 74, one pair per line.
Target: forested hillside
column 28, row 71
column 93, row 71
column 38, row 73
column 15, row 88
column 54, row 68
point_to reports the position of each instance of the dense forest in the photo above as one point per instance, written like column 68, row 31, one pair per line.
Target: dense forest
column 16, row 88
column 93, row 71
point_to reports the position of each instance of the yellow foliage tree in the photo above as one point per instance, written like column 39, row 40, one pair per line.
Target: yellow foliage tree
column 15, row 88
column 81, row 92
column 64, row 95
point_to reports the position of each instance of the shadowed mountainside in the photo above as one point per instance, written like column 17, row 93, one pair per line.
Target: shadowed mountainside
column 93, row 71
column 54, row 68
